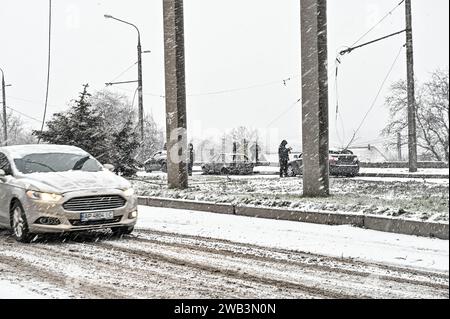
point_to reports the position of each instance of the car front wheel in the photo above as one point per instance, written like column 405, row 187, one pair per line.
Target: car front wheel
column 19, row 224
column 290, row 171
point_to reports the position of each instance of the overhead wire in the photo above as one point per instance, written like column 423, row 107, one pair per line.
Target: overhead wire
column 48, row 64
column 378, row 23
column 125, row 71
column 23, row 114
column 338, row 62
column 377, row 96
column 225, row 91
column 284, row 112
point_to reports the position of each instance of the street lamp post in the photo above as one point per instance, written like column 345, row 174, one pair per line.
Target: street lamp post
column 5, row 128
column 140, row 85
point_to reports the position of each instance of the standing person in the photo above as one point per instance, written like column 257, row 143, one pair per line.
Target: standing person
column 191, row 159
column 283, row 154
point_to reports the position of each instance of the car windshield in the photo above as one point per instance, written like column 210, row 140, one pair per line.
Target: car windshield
column 56, row 162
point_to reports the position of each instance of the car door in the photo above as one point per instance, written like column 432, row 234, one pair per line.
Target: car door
column 5, row 190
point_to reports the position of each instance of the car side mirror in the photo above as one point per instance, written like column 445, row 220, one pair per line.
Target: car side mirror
column 109, row 167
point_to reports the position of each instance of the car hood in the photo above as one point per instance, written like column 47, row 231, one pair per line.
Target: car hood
column 64, row 182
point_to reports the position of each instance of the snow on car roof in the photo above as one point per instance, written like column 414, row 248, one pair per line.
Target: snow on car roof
column 19, row 151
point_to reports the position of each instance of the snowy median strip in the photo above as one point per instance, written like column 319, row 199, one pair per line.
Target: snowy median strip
column 385, row 224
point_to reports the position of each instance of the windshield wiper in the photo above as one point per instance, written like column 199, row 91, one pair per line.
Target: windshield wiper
column 80, row 163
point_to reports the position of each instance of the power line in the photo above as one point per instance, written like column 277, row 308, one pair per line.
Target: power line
column 23, row 114
column 377, row 96
column 128, row 69
column 378, row 23
column 350, row 49
column 30, row 101
column 284, row 112
column 225, row 91
column 48, row 63
column 145, row 93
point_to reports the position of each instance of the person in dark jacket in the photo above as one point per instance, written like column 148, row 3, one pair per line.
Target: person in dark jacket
column 283, row 154
column 191, row 159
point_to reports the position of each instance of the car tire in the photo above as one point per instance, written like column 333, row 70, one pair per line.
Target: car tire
column 224, row 171
column 164, row 168
column 19, row 224
column 290, row 171
column 120, row 231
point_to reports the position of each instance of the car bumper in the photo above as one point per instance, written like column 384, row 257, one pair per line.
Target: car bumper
column 71, row 221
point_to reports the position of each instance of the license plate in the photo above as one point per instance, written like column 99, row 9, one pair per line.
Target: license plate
column 96, row 216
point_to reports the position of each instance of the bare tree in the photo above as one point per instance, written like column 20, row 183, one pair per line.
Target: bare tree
column 17, row 133
column 432, row 102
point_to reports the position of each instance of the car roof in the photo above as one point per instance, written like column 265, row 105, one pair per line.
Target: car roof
column 19, row 151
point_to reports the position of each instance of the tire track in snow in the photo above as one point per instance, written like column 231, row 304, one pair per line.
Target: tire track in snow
column 248, row 277
column 344, row 261
column 303, row 264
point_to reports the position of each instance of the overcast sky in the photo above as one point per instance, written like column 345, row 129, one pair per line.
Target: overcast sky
column 230, row 44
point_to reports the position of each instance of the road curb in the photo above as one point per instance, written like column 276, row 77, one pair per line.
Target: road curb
column 385, row 224
column 380, row 175
column 393, row 175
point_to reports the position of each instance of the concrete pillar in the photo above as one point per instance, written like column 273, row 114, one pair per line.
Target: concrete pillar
column 176, row 122
column 315, row 97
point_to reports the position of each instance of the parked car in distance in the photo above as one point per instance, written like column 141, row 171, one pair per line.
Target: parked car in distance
column 342, row 163
column 57, row 189
column 229, row 164
column 158, row 162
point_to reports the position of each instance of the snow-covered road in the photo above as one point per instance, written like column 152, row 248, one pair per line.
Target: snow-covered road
column 180, row 254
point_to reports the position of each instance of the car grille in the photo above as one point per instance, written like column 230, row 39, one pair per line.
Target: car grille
column 95, row 222
column 94, row 203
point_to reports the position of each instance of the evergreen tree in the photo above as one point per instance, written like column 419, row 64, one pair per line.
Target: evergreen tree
column 81, row 126
column 125, row 144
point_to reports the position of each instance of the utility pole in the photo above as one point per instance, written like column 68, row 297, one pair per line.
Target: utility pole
column 140, row 86
column 315, row 97
column 5, row 120
column 399, row 146
column 412, row 135
column 176, row 121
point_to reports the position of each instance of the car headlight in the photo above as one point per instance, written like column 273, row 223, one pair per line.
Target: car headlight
column 129, row 192
column 133, row 215
column 45, row 197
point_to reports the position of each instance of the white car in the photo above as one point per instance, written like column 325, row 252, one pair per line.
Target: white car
column 56, row 189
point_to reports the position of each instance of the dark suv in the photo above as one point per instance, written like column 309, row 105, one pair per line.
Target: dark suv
column 342, row 163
